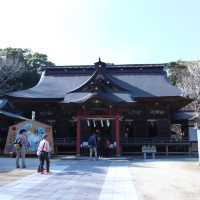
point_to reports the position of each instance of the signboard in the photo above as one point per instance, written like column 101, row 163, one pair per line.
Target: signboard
column 198, row 138
column 34, row 133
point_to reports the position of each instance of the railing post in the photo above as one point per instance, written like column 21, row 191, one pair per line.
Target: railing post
column 190, row 149
column 117, row 134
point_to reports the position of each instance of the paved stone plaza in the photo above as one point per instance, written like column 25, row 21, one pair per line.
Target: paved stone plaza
column 106, row 179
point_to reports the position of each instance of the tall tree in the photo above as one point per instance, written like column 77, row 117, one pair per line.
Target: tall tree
column 11, row 67
column 19, row 68
column 35, row 61
column 186, row 76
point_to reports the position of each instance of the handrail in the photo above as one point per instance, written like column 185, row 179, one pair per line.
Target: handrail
column 130, row 140
column 160, row 140
column 65, row 140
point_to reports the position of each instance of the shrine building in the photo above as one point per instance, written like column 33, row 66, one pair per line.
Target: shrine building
column 131, row 105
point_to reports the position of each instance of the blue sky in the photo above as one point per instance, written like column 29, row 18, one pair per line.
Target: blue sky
column 118, row 31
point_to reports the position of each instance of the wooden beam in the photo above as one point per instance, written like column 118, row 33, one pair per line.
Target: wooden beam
column 78, row 135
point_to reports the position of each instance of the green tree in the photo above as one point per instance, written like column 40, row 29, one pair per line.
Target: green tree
column 20, row 68
column 35, row 61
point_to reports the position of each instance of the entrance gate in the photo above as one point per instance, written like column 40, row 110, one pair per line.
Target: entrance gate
column 115, row 118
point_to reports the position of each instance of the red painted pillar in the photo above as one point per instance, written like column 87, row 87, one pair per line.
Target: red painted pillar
column 117, row 134
column 78, row 135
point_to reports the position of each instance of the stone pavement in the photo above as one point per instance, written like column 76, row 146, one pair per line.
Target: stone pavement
column 75, row 180
column 105, row 179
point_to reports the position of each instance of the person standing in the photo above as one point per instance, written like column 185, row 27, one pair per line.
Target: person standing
column 21, row 144
column 107, row 153
column 100, row 144
column 92, row 142
column 43, row 153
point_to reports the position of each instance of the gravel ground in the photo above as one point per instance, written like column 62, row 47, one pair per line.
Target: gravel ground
column 167, row 179
column 9, row 173
column 14, row 175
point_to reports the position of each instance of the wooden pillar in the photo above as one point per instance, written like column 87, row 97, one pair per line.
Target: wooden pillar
column 117, row 134
column 56, row 149
column 78, row 135
column 167, row 150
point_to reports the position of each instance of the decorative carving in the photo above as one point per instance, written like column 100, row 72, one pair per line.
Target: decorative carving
column 157, row 112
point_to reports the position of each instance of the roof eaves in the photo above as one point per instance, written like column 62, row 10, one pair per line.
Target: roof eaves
column 12, row 115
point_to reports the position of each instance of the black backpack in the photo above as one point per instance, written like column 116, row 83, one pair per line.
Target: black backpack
column 91, row 141
column 18, row 141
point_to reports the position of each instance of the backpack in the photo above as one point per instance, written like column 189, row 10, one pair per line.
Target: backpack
column 91, row 141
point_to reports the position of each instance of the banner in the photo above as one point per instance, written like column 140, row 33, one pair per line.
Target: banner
column 198, row 138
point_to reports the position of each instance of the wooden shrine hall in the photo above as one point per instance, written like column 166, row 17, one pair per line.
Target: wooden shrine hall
column 131, row 105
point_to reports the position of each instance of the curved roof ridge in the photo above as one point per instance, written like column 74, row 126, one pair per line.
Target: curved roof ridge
column 82, row 97
column 107, row 65
column 83, row 84
column 41, row 79
column 97, row 72
column 139, row 65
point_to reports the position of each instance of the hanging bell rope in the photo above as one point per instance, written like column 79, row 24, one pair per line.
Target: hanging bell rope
column 102, row 125
column 94, row 123
column 88, row 123
column 108, row 123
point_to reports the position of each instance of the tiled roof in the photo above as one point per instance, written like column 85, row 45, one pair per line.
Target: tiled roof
column 136, row 80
